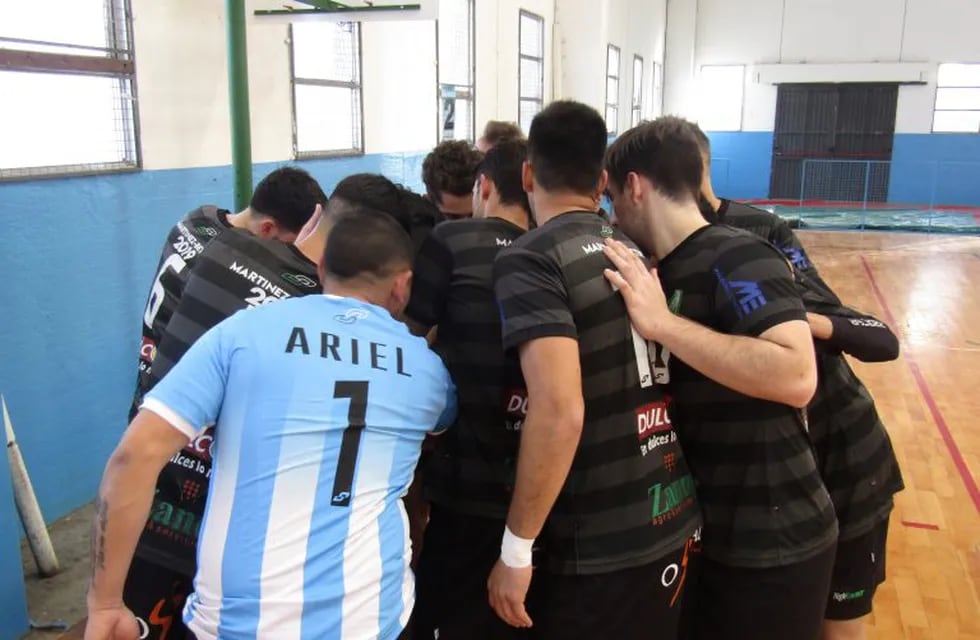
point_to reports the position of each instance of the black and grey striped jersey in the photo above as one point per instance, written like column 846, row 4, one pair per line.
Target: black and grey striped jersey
column 763, row 500
column 774, row 229
column 185, row 243
column 471, row 467
column 857, row 461
column 629, row 498
column 235, row 271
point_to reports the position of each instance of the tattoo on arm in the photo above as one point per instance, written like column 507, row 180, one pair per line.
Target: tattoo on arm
column 99, row 525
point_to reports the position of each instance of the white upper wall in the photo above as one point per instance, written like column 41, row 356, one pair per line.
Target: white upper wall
column 753, row 32
column 182, row 79
column 585, row 28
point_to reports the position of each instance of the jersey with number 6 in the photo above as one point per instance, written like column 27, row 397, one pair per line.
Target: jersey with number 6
column 629, row 498
column 236, row 271
column 321, row 405
column 185, row 243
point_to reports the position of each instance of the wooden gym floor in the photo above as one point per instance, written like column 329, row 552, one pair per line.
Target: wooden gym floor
column 928, row 290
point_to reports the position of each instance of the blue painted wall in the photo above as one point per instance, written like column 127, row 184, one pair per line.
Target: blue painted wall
column 927, row 169
column 76, row 259
column 13, row 608
column 937, row 169
column 741, row 163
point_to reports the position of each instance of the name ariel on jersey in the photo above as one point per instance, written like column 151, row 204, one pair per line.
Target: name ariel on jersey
column 338, row 348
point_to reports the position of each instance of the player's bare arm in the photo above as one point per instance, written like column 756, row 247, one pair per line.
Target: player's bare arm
column 122, row 508
column 549, row 438
column 778, row 365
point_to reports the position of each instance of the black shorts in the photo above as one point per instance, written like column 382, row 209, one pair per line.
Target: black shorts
column 858, row 570
column 458, row 553
column 156, row 596
column 639, row 603
column 738, row 603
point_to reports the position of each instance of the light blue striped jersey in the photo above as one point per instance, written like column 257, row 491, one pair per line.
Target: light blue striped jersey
column 321, row 405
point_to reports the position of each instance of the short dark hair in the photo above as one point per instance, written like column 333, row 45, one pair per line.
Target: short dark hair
column 504, row 164
column 565, row 147
column 365, row 242
column 665, row 151
column 704, row 142
column 288, row 195
column 370, row 190
column 450, row 167
column 496, row 130
column 422, row 214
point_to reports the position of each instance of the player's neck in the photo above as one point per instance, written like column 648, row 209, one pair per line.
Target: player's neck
column 240, row 220
column 675, row 223
column 548, row 205
column 313, row 245
column 517, row 216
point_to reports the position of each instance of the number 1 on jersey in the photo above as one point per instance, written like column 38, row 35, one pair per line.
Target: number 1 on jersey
column 343, row 484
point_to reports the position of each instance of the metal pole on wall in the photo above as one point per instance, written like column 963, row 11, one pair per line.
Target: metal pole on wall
column 241, row 126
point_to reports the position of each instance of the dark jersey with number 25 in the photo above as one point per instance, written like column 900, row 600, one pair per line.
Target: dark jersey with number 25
column 236, row 271
column 185, row 243
column 629, row 498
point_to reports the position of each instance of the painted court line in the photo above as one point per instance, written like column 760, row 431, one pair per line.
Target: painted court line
column 954, row 450
column 919, row 525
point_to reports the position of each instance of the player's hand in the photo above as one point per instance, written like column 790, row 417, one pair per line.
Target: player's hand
column 508, row 589
column 640, row 287
column 117, row 623
column 310, row 225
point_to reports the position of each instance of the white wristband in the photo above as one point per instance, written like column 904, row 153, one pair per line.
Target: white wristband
column 515, row 552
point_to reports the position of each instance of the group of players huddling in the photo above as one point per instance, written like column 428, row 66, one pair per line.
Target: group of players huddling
column 590, row 449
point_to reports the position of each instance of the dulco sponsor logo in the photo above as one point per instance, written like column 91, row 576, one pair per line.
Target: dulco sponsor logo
column 653, row 427
column 515, row 408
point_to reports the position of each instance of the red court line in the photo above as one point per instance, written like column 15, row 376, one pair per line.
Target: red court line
column 951, row 446
column 920, row 525
column 896, row 206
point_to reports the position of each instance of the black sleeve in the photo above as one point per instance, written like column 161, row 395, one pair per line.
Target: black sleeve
column 754, row 287
column 786, row 241
column 531, row 296
column 431, row 276
column 864, row 337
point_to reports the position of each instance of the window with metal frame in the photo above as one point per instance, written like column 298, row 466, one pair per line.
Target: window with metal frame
column 636, row 116
column 720, row 94
column 328, row 119
column 530, row 75
column 612, row 89
column 957, row 99
column 68, row 88
column 457, row 69
column 658, row 89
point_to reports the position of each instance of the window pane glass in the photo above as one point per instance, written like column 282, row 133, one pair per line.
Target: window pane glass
column 612, row 119
column 612, row 91
column 81, row 22
column 961, row 99
column 55, row 119
column 957, row 121
column 636, row 117
column 637, row 81
column 325, row 50
column 612, row 61
column 455, row 38
column 531, row 85
column 327, row 118
column 720, row 98
column 959, row 75
column 532, row 36
column 528, row 109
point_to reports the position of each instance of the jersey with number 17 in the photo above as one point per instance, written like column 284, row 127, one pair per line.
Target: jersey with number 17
column 185, row 243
